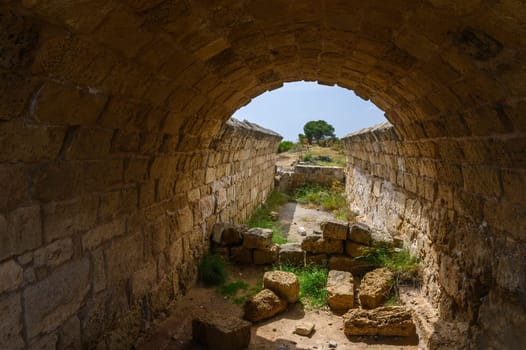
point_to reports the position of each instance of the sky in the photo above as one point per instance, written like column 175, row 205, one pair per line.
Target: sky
column 287, row 109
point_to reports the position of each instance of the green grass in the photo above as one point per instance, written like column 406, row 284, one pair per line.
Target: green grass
column 331, row 199
column 405, row 266
column 313, row 282
column 232, row 288
column 239, row 291
column 261, row 216
column 212, row 270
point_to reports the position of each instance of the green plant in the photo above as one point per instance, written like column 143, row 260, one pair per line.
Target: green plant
column 307, row 157
column 248, row 294
column 212, row 270
column 285, row 146
column 313, row 281
column 232, row 288
column 329, row 198
column 405, row 266
column 261, row 217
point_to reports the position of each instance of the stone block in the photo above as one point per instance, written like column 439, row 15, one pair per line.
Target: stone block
column 241, row 255
column 63, row 219
column 44, row 342
column 217, row 331
column 29, row 143
column 64, row 291
column 266, row 256
column 59, row 104
column 340, row 290
column 291, row 254
column 57, row 181
column 360, row 233
column 143, row 280
column 316, row 259
column 103, row 233
column 11, row 323
column 284, row 284
column 375, row 288
column 70, row 334
column 391, row 321
column 228, row 234
column 99, row 270
column 88, row 144
column 354, row 249
column 263, row 305
column 354, row 266
column 318, row 245
column 304, row 328
column 14, row 186
column 11, row 276
column 335, row 229
column 54, row 254
column 123, row 258
column 259, row 238
column 20, row 231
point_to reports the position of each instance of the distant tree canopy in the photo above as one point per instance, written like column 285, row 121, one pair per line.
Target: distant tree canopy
column 285, row 146
column 318, row 130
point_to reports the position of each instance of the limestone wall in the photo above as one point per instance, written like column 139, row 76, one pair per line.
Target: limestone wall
column 455, row 202
column 302, row 174
column 100, row 229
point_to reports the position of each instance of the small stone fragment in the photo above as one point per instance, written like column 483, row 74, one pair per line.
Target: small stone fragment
column 304, row 328
column 332, row 344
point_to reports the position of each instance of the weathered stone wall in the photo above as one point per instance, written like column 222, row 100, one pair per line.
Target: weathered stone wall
column 288, row 181
column 107, row 230
column 455, row 202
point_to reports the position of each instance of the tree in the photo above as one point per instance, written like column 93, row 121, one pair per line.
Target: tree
column 317, row 130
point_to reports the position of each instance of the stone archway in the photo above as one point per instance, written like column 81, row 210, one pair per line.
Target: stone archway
column 107, row 109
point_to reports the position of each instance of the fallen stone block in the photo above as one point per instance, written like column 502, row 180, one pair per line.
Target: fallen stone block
column 263, row 305
column 284, row 284
column 335, row 229
column 340, row 290
column 354, row 249
column 259, row 238
column 218, row 331
column 345, row 263
column 266, row 256
column 241, row 255
column 317, row 245
column 383, row 321
column 375, row 287
column 291, row 254
column 360, row 233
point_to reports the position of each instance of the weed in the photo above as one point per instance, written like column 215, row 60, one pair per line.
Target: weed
column 307, row 157
column 329, row 198
column 405, row 266
column 261, row 217
column 212, row 270
column 313, row 281
column 231, row 289
column 249, row 294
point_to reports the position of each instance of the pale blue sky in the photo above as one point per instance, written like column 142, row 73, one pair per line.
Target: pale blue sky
column 287, row 109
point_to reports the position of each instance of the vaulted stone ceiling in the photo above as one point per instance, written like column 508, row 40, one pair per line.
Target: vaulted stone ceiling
column 437, row 67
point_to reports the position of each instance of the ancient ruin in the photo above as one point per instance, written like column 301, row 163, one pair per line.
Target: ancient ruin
column 116, row 158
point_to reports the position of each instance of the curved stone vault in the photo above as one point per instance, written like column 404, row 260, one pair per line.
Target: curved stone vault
column 108, row 110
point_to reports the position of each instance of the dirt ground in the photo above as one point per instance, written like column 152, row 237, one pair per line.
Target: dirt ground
column 175, row 332
column 286, row 160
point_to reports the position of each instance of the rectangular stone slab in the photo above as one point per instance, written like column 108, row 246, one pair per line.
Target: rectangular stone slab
column 221, row 332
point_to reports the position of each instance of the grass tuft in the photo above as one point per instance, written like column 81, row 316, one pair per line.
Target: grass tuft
column 232, row 288
column 262, row 217
column 212, row 270
column 313, row 282
column 329, row 198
